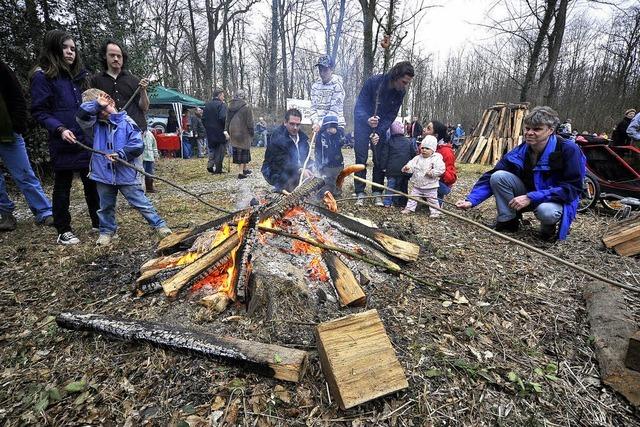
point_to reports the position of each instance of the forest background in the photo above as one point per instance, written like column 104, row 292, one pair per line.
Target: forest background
column 553, row 52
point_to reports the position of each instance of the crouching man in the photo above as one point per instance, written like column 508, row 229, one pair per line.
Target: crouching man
column 286, row 154
column 544, row 175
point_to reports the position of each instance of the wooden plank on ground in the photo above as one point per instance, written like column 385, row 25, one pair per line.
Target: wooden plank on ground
column 628, row 248
column 628, row 231
column 358, row 360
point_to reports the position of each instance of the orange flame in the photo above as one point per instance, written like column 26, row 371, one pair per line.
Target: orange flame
column 317, row 271
column 188, row 258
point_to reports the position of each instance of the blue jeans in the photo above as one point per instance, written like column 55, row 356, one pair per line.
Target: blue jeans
column 148, row 166
column 506, row 186
column 398, row 183
column 14, row 156
column 136, row 198
column 443, row 190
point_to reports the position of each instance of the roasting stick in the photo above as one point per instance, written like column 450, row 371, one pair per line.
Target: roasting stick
column 346, row 252
column 140, row 170
column 505, row 237
column 312, row 144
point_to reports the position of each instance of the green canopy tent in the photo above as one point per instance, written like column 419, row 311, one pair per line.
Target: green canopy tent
column 161, row 95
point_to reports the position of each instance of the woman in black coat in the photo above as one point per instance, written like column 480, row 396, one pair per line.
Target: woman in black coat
column 57, row 83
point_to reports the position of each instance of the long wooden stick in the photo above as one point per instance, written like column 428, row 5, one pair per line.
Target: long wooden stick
column 346, row 252
column 140, row 170
column 507, row 238
column 312, row 144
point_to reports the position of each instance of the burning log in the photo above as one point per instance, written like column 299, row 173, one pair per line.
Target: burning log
column 350, row 294
column 184, row 239
column 202, row 265
column 400, row 249
column 277, row 208
column 267, row 359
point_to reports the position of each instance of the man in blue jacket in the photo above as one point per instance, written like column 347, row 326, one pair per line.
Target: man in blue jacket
column 545, row 175
column 376, row 108
column 286, row 153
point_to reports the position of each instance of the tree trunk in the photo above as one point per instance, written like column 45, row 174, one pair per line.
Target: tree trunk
column 272, row 104
column 368, row 13
column 547, row 79
column 532, row 65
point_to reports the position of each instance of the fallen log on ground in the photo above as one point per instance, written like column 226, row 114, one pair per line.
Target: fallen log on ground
column 267, row 359
column 612, row 326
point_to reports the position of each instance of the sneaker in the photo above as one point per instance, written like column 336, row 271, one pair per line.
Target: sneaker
column 378, row 201
column 360, row 201
column 95, row 229
column 406, row 211
column 241, row 176
column 8, row 222
column 210, row 170
column 548, row 233
column 48, row 221
column 247, row 171
column 68, row 238
column 163, row 231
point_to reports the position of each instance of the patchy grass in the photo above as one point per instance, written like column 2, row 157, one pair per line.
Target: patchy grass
column 515, row 351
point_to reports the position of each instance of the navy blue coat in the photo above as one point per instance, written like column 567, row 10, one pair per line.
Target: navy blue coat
column 389, row 102
column 283, row 161
column 54, row 103
column 213, row 118
column 328, row 149
column 396, row 153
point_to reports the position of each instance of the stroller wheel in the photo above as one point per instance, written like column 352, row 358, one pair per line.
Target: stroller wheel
column 590, row 193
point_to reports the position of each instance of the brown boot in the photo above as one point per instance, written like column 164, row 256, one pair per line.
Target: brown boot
column 148, row 184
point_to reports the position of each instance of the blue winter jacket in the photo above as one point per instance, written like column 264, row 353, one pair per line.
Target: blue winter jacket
column 558, row 177
column 54, row 103
column 118, row 134
column 389, row 101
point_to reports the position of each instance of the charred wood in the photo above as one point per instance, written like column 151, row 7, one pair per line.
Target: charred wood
column 267, row 359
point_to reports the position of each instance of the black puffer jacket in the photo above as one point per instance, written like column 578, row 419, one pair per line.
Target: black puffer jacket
column 396, row 152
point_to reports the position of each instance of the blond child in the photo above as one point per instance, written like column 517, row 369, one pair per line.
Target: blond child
column 426, row 168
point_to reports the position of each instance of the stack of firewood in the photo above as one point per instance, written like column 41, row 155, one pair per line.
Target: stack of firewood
column 624, row 237
column 498, row 132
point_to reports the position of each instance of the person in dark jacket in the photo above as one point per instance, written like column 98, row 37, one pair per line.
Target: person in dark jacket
column 376, row 108
column 286, row 154
column 120, row 84
column 199, row 135
column 214, row 118
column 57, row 83
column 545, row 174
column 395, row 154
column 239, row 126
column 619, row 136
column 172, row 122
column 415, row 130
column 13, row 123
column 328, row 154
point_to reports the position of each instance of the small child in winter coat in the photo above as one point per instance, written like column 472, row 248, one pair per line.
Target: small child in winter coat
column 149, row 157
column 394, row 155
column 328, row 153
column 116, row 134
column 426, row 168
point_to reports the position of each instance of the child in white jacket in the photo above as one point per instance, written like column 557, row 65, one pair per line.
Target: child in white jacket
column 426, row 168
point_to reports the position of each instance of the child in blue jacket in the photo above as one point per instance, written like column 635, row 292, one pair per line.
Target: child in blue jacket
column 118, row 135
column 328, row 153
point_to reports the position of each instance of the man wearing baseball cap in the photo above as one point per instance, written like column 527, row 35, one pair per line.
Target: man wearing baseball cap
column 327, row 95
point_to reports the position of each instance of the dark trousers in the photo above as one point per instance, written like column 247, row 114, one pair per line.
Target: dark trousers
column 361, row 149
column 216, row 156
column 61, row 198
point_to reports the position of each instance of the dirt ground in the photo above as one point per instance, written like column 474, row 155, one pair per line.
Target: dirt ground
column 503, row 342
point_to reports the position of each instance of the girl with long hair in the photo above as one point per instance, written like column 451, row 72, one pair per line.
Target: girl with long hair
column 57, row 83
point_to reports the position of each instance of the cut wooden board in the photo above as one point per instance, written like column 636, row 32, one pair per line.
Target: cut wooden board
column 358, row 360
column 350, row 294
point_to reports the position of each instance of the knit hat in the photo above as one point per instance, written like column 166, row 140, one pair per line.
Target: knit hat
column 630, row 110
column 330, row 120
column 397, row 128
column 429, row 142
